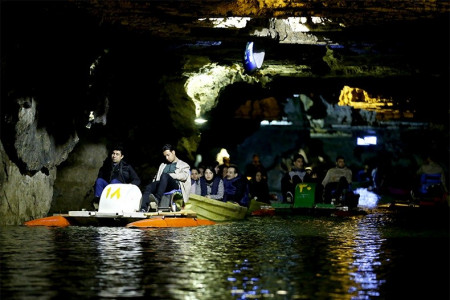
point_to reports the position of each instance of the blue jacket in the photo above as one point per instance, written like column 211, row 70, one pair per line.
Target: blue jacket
column 236, row 190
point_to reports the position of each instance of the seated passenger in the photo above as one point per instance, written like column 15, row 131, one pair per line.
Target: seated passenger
column 255, row 166
column 172, row 175
column 337, row 181
column 364, row 175
column 222, row 170
column 259, row 189
column 114, row 170
column 195, row 180
column 295, row 176
column 236, row 187
column 431, row 176
column 211, row 185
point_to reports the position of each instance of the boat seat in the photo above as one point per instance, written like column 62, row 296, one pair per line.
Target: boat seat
column 120, row 198
column 169, row 199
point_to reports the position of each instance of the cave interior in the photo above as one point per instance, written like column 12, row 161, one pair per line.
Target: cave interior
column 129, row 62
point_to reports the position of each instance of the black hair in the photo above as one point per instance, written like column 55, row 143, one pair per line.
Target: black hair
column 167, row 147
column 221, row 167
column 297, row 156
column 236, row 169
column 211, row 168
column 118, row 148
column 339, row 157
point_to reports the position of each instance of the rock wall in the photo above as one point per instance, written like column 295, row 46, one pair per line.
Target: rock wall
column 27, row 178
column 23, row 197
column 73, row 188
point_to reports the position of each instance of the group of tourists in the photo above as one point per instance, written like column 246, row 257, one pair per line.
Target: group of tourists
column 175, row 174
column 334, row 185
column 226, row 183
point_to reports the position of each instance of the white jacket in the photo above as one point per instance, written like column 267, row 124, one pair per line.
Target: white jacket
column 182, row 174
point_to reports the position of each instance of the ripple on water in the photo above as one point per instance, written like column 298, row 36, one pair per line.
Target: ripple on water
column 277, row 257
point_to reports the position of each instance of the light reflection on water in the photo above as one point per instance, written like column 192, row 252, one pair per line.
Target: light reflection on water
column 367, row 198
column 121, row 267
column 289, row 257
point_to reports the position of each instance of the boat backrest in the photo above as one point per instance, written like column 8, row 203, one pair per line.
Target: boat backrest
column 304, row 195
column 120, row 198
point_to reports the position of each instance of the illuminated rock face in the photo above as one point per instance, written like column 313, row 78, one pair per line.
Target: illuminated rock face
column 383, row 108
column 204, row 86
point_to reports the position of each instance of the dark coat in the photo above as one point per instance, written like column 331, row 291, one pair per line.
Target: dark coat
column 236, row 190
column 260, row 190
column 122, row 172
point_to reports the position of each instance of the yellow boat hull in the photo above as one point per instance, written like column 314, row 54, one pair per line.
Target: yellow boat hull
column 215, row 210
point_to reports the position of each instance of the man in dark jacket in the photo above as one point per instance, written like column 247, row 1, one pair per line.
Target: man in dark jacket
column 114, row 170
column 236, row 187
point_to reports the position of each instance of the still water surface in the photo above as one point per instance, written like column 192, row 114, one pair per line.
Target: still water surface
column 377, row 256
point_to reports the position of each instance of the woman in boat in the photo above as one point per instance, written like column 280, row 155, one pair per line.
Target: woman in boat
column 211, row 185
column 258, row 188
column 255, row 166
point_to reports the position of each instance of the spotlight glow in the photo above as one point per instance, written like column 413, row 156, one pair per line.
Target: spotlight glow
column 200, row 121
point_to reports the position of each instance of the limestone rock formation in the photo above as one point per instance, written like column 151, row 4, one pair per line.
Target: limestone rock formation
column 23, row 197
column 27, row 183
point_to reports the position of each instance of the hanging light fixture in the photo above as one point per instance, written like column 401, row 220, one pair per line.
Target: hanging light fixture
column 253, row 59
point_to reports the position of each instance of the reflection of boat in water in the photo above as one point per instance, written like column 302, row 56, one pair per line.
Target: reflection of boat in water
column 305, row 203
column 119, row 206
column 215, row 210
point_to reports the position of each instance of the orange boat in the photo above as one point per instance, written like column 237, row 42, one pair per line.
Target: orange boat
column 136, row 220
column 118, row 207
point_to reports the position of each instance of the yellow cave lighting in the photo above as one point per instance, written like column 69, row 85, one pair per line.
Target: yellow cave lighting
column 222, row 153
column 360, row 99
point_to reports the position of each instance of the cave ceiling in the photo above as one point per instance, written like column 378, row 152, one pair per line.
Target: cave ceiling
column 376, row 38
column 301, row 39
column 388, row 48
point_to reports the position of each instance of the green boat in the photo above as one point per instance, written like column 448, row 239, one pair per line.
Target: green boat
column 215, row 210
column 305, row 202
